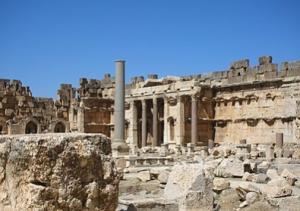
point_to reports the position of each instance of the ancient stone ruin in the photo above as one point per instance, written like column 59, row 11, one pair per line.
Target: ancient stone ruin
column 228, row 140
column 57, row 172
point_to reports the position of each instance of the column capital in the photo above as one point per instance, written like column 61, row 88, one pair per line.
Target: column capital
column 195, row 96
column 154, row 99
column 143, row 101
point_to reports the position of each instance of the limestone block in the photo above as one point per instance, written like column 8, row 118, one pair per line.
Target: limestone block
column 272, row 174
column 230, row 168
column 57, row 172
column 240, row 64
column 260, row 178
column 163, row 177
column 263, row 167
column 290, row 177
column 248, row 177
column 246, row 187
column 251, row 197
column 277, row 188
column 296, row 154
column 144, row 176
column 220, row 184
column 265, row 60
column 188, row 184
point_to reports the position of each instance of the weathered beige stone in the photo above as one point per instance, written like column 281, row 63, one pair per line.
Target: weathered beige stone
column 220, row 184
column 57, row 172
column 188, row 184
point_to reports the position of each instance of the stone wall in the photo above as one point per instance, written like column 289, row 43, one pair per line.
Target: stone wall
column 57, row 172
column 257, row 112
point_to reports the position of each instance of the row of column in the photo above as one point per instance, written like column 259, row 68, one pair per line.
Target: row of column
column 144, row 123
column 180, row 119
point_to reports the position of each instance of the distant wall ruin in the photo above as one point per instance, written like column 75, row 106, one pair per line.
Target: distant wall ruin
column 225, row 106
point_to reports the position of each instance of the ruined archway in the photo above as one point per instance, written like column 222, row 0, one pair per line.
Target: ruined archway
column 31, row 128
column 1, row 128
column 60, row 128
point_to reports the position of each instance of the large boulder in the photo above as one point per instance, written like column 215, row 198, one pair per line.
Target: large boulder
column 230, row 168
column 57, row 172
column 278, row 187
column 188, row 185
column 220, row 184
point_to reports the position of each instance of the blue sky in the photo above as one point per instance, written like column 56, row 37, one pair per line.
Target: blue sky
column 48, row 42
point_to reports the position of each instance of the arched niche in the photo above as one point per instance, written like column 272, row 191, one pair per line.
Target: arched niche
column 31, row 128
column 60, row 128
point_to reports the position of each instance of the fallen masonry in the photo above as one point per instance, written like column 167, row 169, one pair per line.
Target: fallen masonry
column 207, row 180
column 57, row 172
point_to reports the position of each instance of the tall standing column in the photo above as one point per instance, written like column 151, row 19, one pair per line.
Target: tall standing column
column 134, row 124
column 155, row 122
column 166, row 125
column 194, row 122
column 119, row 110
column 144, row 123
column 180, row 121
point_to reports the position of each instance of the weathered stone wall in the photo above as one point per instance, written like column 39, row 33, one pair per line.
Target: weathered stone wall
column 258, row 112
column 57, row 172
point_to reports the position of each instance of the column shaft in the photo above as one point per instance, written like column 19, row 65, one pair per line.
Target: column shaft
column 166, row 125
column 119, row 111
column 134, row 124
column 180, row 121
column 194, row 121
column 144, row 123
column 155, row 122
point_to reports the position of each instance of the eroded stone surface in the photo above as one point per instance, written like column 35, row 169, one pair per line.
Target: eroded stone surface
column 57, row 172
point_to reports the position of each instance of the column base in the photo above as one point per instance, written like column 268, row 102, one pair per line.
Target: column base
column 119, row 148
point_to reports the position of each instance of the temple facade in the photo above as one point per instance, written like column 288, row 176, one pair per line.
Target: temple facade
column 243, row 102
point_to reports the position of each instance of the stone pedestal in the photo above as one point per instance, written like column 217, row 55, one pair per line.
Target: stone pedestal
column 178, row 149
column 211, row 144
column 164, row 150
column 190, row 149
column 270, row 153
column 243, row 151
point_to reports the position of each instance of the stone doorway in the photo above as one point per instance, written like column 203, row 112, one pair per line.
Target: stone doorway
column 31, row 128
column 60, row 128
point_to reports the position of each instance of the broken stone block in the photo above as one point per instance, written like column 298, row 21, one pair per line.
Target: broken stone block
column 163, row 177
column 248, row 176
column 240, row 64
column 265, row 60
column 229, row 200
column 277, row 187
column 58, row 172
column 144, row 176
column 251, row 197
column 230, row 168
column 296, row 154
column 188, row 184
column 260, row 178
column 290, row 177
column 246, row 187
column 220, row 184
column 263, row 167
column 287, row 153
column 272, row 174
